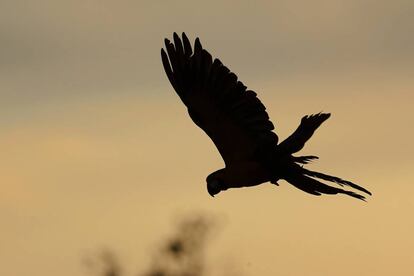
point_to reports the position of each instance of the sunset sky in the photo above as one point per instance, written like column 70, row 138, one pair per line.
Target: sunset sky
column 97, row 150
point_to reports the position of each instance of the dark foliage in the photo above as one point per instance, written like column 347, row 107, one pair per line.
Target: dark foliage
column 182, row 254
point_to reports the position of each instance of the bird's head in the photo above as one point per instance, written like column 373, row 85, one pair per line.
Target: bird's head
column 215, row 184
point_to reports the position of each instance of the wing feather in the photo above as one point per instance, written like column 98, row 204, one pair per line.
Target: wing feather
column 233, row 117
column 308, row 125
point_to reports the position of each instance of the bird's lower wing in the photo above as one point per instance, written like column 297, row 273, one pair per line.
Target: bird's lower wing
column 308, row 125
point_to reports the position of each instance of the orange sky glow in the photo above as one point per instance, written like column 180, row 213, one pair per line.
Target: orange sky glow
column 98, row 151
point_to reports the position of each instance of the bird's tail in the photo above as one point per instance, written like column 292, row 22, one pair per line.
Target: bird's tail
column 304, row 180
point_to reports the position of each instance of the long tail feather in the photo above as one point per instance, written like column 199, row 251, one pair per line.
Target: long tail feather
column 335, row 179
column 313, row 186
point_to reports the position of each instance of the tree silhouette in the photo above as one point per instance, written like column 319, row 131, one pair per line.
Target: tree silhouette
column 182, row 254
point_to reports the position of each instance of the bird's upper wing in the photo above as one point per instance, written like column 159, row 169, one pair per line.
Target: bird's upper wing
column 233, row 117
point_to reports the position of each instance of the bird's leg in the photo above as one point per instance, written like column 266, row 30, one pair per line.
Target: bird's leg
column 274, row 181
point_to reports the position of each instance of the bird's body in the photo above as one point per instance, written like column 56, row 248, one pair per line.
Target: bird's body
column 245, row 174
column 237, row 122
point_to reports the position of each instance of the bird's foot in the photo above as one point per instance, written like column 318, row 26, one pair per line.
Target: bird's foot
column 274, row 182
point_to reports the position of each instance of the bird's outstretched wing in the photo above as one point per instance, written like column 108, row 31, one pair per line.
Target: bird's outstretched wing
column 308, row 125
column 233, row 117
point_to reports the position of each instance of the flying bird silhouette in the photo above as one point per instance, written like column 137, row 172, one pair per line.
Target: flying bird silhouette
column 237, row 122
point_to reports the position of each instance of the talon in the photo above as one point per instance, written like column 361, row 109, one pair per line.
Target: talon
column 274, row 182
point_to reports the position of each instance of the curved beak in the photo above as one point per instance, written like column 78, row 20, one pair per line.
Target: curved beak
column 213, row 187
